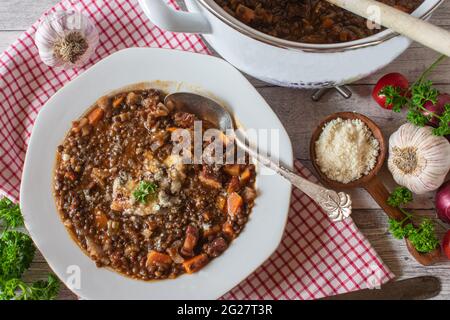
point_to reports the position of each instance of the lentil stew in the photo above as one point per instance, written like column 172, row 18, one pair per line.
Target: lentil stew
column 308, row 21
column 132, row 204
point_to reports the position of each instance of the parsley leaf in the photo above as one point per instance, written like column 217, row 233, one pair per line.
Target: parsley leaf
column 396, row 228
column 444, row 123
column 423, row 238
column 422, row 92
column 10, row 214
column 395, row 96
column 417, row 118
column 414, row 100
column 16, row 289
column 400, row 196
column 16, row 253
column 144, row 189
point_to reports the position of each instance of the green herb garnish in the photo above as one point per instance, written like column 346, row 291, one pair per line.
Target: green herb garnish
column 423, row 238
column 144, row 190
column 16, row 254
column 399, row 197
column 414, row 101
column 16, row 289
column 443, row 129
column 10, row 214
column 395, row 96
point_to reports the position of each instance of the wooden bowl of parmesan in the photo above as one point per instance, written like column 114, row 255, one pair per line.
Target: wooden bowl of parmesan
column 348, row 150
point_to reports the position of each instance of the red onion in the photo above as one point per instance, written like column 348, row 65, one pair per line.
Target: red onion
column 437, row 108
column 443, row 202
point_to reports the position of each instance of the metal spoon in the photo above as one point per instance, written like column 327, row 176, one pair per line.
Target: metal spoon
column 336, row 205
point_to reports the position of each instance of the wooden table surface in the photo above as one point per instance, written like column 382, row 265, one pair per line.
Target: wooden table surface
column 294, row 107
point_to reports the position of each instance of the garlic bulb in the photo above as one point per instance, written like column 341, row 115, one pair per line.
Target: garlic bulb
column 66, row 39
column 418, row 160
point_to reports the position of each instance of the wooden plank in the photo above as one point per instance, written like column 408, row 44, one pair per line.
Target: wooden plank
column 293, row 107
column 374, row 226
column 20, row 14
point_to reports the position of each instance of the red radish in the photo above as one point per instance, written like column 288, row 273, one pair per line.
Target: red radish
column 446, row 244
column 395, row 80
column 437, row 108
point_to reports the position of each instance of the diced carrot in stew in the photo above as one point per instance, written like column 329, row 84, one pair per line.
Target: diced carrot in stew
column 172, row 129
column 227, row 229
column 245, row 176
column 96, row 115
column 101, row 219
column 211, row 231
column 246, row 14
column 327, row 23
column 155, row 257
column 232, row 169
column 234, row 185
column 209, row 181
column 234, row 203
column 118, row 101
column 196, row 263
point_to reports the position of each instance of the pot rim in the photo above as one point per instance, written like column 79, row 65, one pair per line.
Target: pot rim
column 373, row 40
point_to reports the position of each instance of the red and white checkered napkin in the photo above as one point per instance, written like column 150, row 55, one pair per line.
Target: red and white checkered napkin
column 315, row 259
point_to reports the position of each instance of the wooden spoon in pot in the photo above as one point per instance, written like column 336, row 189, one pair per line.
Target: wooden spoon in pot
column 373, row 185
column 416, row 29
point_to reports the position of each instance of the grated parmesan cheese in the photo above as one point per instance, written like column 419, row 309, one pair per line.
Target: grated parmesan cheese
column 346, row 150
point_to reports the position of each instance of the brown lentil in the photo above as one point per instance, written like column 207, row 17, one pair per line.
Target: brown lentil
column 308, row 21
column 124, row 146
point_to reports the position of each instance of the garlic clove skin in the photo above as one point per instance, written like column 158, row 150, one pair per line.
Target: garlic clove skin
column 418, row 160
column 66, row 39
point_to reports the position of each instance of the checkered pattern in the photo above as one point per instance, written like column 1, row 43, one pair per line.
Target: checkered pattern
column 315, row 259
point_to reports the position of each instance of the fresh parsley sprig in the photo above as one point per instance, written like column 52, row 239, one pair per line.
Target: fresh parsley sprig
column 399, row 197
column 395, row 96
column 443, row 129
column 10, row 214
column 16, row 254
column 16, row 289
column 423, row 238
column 414, row 100
column 144, row 190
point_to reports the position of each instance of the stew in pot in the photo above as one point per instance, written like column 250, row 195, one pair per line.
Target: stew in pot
column 309, row 21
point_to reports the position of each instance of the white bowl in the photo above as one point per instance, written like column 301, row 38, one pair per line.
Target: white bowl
column 186, row 72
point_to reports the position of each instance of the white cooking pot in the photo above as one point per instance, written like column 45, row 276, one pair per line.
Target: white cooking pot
column 279, row 61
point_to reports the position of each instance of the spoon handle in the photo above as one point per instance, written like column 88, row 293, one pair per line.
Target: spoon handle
column 337, row 205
